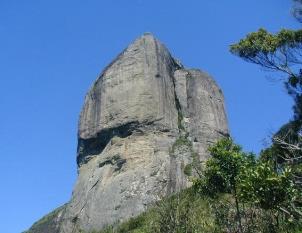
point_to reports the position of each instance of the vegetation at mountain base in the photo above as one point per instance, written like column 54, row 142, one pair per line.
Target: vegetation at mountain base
column 263, row 194
column 182, row 212
column 236, row 192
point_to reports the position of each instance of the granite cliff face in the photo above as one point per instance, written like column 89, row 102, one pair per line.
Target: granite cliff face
column 144, row 120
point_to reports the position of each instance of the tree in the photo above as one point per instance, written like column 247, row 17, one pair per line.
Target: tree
column 276, row 52
column 281, row 52
column 255, row 186
column 266, row 188
column 222, row 170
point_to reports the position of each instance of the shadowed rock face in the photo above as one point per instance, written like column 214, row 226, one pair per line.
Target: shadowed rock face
column 144, row 119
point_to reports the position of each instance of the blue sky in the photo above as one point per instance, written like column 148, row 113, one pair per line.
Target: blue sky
column 51, row 52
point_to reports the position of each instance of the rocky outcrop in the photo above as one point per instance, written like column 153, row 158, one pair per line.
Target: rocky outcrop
column 51, row 223
column 144, row 121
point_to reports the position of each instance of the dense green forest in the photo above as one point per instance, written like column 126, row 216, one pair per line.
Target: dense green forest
column 235, row 191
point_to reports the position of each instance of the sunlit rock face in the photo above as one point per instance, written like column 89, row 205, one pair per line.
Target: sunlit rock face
column 143, row 121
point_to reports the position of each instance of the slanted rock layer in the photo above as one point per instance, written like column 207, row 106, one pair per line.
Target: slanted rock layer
column 145, row 119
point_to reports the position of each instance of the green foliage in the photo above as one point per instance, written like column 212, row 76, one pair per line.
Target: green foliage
column 266, row 188
column 254, row 44
column 181, row 141
column 236, row 193
column 222, row 169
column 188, row 169
column 277, row 52
column 276, row 181
column 222, row 172
column 264, row 48
column 257, row 192
column 185, row 212
column 180, row 119
column 137, row 224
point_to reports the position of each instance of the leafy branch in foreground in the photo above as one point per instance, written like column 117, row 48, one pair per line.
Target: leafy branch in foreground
column 279, row 52
column 276, row 52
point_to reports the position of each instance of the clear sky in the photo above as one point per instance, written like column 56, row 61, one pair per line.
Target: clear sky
column 51, row 52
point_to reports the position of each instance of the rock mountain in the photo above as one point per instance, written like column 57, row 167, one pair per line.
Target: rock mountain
column 144, row 122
